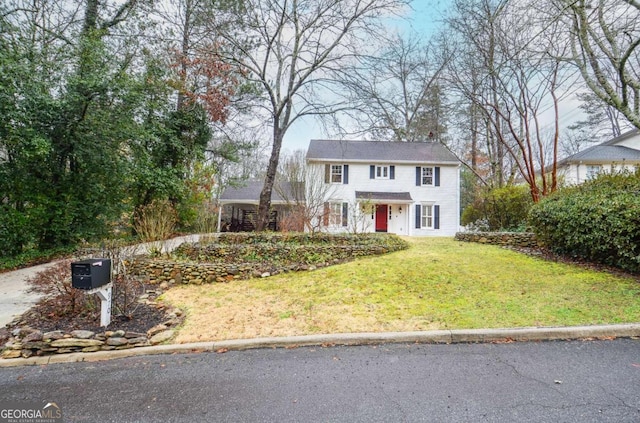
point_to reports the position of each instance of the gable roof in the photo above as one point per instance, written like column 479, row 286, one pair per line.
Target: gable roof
column 379, row 151
column 608, row 151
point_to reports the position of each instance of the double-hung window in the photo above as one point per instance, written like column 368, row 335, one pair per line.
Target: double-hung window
column 336, row 214
column 336, row 174
column 427, row 216
column 427, row 175
column 426, row 219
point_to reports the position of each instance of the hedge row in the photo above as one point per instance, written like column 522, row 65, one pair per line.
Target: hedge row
column 598, row 221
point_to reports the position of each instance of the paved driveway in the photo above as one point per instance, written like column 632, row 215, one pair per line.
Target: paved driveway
column 15, row 300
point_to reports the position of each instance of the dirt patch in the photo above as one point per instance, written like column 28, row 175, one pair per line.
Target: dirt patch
column 223, row 312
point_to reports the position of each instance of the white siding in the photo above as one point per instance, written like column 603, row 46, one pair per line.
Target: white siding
column 577, row 173
column 403, row 222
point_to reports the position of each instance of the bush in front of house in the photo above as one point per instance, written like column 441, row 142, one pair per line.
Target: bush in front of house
column 598, row 221
column 499, row 209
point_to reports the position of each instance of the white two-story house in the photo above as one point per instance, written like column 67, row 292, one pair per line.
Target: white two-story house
column 397, row 187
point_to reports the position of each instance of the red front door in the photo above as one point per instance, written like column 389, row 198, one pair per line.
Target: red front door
column 381, row 218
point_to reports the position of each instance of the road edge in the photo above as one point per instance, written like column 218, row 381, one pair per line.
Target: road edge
column 630, row 330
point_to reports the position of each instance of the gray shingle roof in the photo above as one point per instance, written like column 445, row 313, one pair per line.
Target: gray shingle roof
column 379, row 151
column 386, row 196
column 250, row 191
column 606, row 153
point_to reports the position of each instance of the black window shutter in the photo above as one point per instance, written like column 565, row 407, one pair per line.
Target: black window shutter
column 436, row 217
column 418, row 176
column 345, row 174
column 392, row 172
column 327, row 173
column 372, row 172
column 436, row 172
column 418, row 217
column 345, row 213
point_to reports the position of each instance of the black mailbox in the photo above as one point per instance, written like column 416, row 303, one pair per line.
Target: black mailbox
column 90, row 273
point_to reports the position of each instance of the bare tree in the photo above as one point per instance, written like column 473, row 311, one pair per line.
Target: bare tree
column 474, row 73
column 291, row 50
column 360, row 213
column 303, row 188
column 397, row 94
column 518, row 81
column 604, row 38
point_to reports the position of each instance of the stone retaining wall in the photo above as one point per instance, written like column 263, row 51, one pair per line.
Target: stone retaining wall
column 27, row 342
column 511, row 239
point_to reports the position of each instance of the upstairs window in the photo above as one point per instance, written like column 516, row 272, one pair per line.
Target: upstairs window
column 382, row 172
column 336, row 174
column 427, row 176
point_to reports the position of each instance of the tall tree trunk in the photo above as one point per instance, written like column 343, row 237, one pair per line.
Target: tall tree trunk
column 265, row 195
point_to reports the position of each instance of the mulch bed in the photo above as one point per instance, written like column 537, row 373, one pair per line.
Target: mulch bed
column 143, row 318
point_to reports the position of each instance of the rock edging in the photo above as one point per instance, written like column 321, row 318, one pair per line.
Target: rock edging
column 510, row 239
column 25, row 342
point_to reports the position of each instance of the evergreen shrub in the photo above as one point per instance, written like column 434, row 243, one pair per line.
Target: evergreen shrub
column 598, row 221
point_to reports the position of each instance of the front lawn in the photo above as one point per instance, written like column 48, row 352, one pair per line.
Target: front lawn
column 438, row 283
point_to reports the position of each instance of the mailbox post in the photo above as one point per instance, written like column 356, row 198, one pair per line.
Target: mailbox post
column 94, row 277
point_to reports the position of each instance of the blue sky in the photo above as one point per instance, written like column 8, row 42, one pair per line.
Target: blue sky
column 425, row 19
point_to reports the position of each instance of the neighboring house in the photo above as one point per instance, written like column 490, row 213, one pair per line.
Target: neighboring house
column 239, row 206
column 620, row 153
column 398, row 187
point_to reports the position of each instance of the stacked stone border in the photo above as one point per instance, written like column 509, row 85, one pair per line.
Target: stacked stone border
column 222, row 259
column 27, row 342
column 505, row 239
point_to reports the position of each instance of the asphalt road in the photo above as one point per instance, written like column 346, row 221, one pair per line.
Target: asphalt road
column 576, row 381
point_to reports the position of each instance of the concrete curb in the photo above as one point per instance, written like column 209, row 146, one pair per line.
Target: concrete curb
column 631, row 330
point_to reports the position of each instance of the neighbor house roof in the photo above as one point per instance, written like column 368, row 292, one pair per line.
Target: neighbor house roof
column 379, row 152
column 605, row 153
column 608, row 151
column 249, row 192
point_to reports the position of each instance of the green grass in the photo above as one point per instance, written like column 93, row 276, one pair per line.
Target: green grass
column 436, row 284
column 465, row 285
